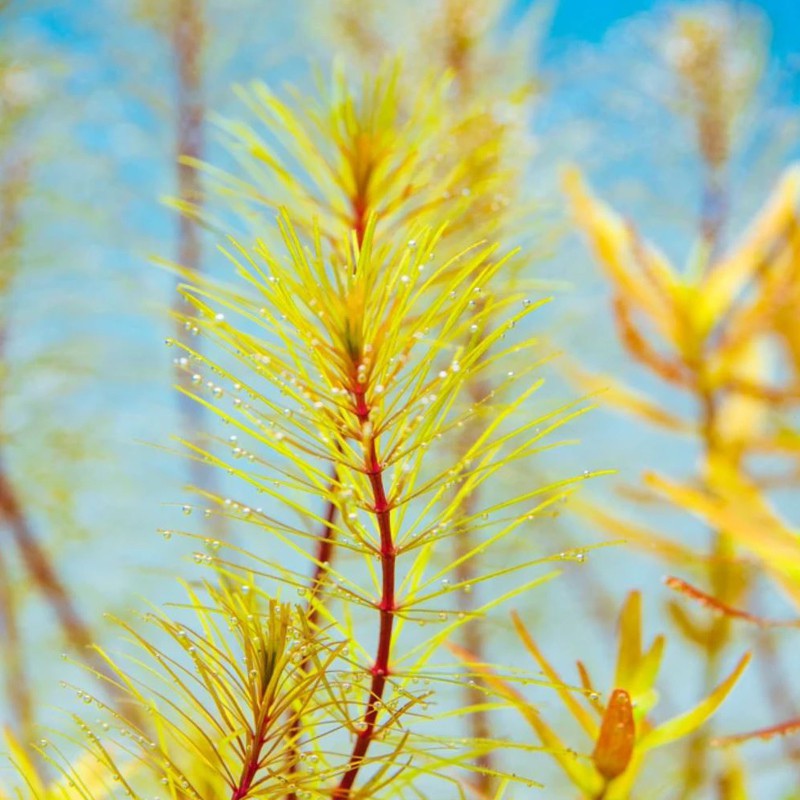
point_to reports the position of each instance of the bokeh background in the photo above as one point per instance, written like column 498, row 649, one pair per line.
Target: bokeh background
column 88, row 413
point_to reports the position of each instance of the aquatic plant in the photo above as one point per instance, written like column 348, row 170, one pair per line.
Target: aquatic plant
column 364, row 335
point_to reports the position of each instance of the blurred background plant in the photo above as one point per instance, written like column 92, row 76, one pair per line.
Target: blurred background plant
column 682, row 117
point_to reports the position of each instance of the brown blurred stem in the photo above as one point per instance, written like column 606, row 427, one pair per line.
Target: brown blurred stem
column 12, row 511
column 472, row 633
column 325, row 545
column 18, row 691
column 39, row 567
column 460, row 57
column 188, row 31
column 706, row 83
column 722, row 585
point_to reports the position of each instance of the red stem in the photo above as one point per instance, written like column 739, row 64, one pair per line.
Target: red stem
column 326, row 541
column 380, row 669
column 360, row 218
column 251, row 765
column 325, row 544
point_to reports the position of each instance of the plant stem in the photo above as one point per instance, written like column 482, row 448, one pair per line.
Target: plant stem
column 775, row 682
column 14, row 185
column 187, row 46
column 325, row 546
column 44, row 575
column 18, row 689
column 34, row 556
column 698, row 744
column 386, row 607
column 252, row 761
column 326, row 538
column 472, row 635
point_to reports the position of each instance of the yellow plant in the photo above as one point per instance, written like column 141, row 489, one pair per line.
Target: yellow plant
column 719, row 331
column 359, row 322
column 620, row 729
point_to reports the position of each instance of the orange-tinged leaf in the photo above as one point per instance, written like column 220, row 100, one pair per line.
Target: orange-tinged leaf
column 709, row 601
column 623, row 398
column 738, row 508
column 685, row 724
column 768, row 234
column 614, row 747
column 770, row 306
column 765, row 734
column 641, row 274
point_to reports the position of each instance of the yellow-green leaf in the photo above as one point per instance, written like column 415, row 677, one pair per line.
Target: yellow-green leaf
column 681, row 726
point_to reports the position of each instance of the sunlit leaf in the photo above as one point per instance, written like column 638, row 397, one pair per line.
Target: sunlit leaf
column 683, row 725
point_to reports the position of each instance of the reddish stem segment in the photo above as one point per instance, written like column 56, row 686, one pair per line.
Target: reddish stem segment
column 325, row 544
column 326, row 540
column 360, row 209
column 252, row 762
column 380, row 669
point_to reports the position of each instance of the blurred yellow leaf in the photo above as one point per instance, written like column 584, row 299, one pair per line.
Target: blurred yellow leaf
column 683, row 725
column 623, row 398
column 733, row 781
column 652, row 542
column 741, row 416
column 640, row 274
column 738, row 508
column 763, row 241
